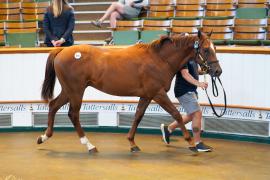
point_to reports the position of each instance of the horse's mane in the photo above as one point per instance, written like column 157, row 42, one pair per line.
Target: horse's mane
column 177, row 41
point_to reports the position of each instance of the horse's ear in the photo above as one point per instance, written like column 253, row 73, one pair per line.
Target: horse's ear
column 157, row 45
column 210, row 33
column 164, row 39
column 199, row 34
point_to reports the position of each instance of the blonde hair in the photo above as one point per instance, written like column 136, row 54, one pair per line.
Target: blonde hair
column 57, row 6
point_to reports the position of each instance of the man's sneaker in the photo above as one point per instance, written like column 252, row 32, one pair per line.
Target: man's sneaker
column 165, row 133
column 201, row 147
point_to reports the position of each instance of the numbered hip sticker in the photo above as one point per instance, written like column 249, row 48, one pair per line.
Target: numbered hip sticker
column 77, row 55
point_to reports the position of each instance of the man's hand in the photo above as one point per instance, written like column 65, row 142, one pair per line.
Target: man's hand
column 203, row 85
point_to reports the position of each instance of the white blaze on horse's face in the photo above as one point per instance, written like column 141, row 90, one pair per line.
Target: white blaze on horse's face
column 212, row 47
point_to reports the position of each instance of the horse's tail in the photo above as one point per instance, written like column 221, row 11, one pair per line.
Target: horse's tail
column 49, row 81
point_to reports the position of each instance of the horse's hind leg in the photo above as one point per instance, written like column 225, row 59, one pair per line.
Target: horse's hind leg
column 142, row 105
column 163, row 100
column 74, row 115
column 54, row 106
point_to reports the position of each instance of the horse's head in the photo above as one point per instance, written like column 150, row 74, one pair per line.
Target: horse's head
column 205, row 55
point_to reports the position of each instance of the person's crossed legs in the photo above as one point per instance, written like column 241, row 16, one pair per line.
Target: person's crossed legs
column 114, row 12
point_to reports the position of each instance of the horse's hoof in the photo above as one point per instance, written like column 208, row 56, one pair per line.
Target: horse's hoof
column 135, row 149
column 92, row 151
column 193, row 149
column 188, row 139
column 39, row 140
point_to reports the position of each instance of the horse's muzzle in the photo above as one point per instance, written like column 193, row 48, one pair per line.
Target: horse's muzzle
column 215, row 71
column 218, row 72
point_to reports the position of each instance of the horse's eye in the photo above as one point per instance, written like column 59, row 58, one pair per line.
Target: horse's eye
column 206, row 51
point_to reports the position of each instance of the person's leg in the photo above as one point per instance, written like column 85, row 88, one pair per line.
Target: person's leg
column 174, row 124
column 167, row 130
column 196, row 118
column 196, row 129
column 197, row 125
column 114, row 7
column 190, row 104
column 114, row 16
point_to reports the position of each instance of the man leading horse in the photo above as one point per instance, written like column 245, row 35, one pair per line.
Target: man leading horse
column 142, row 70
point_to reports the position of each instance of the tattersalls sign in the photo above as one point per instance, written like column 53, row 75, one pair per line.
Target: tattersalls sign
column 131, row 108
column 267, row 116
column 23, row 114
column 12, row 107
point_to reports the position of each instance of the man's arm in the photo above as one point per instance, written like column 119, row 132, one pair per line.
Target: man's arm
column 188, row 77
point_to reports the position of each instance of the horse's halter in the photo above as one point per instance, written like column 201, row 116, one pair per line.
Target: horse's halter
column 205, row 65
column 206, row 69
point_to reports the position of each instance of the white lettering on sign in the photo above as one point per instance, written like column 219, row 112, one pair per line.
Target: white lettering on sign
column 12, row 107
column 127, row 107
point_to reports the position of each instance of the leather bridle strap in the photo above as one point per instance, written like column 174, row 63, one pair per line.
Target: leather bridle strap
column 214, row 88
column 206, row 68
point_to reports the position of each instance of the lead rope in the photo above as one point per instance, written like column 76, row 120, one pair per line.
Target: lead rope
column 214, row 86
column 215, row 93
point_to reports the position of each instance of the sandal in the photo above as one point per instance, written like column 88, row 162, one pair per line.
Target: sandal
column 96, row 23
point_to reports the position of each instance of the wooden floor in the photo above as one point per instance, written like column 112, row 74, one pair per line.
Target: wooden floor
column 63, row 157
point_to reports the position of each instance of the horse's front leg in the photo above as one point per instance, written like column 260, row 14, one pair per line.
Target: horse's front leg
column 74, row 115
column 163, row 100
column 142, row 105
column 54, row 106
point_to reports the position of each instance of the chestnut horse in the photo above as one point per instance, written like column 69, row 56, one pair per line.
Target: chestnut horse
column 143, row 70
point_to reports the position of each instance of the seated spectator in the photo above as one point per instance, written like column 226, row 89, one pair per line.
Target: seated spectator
column 123, row 9
column 58, row 24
